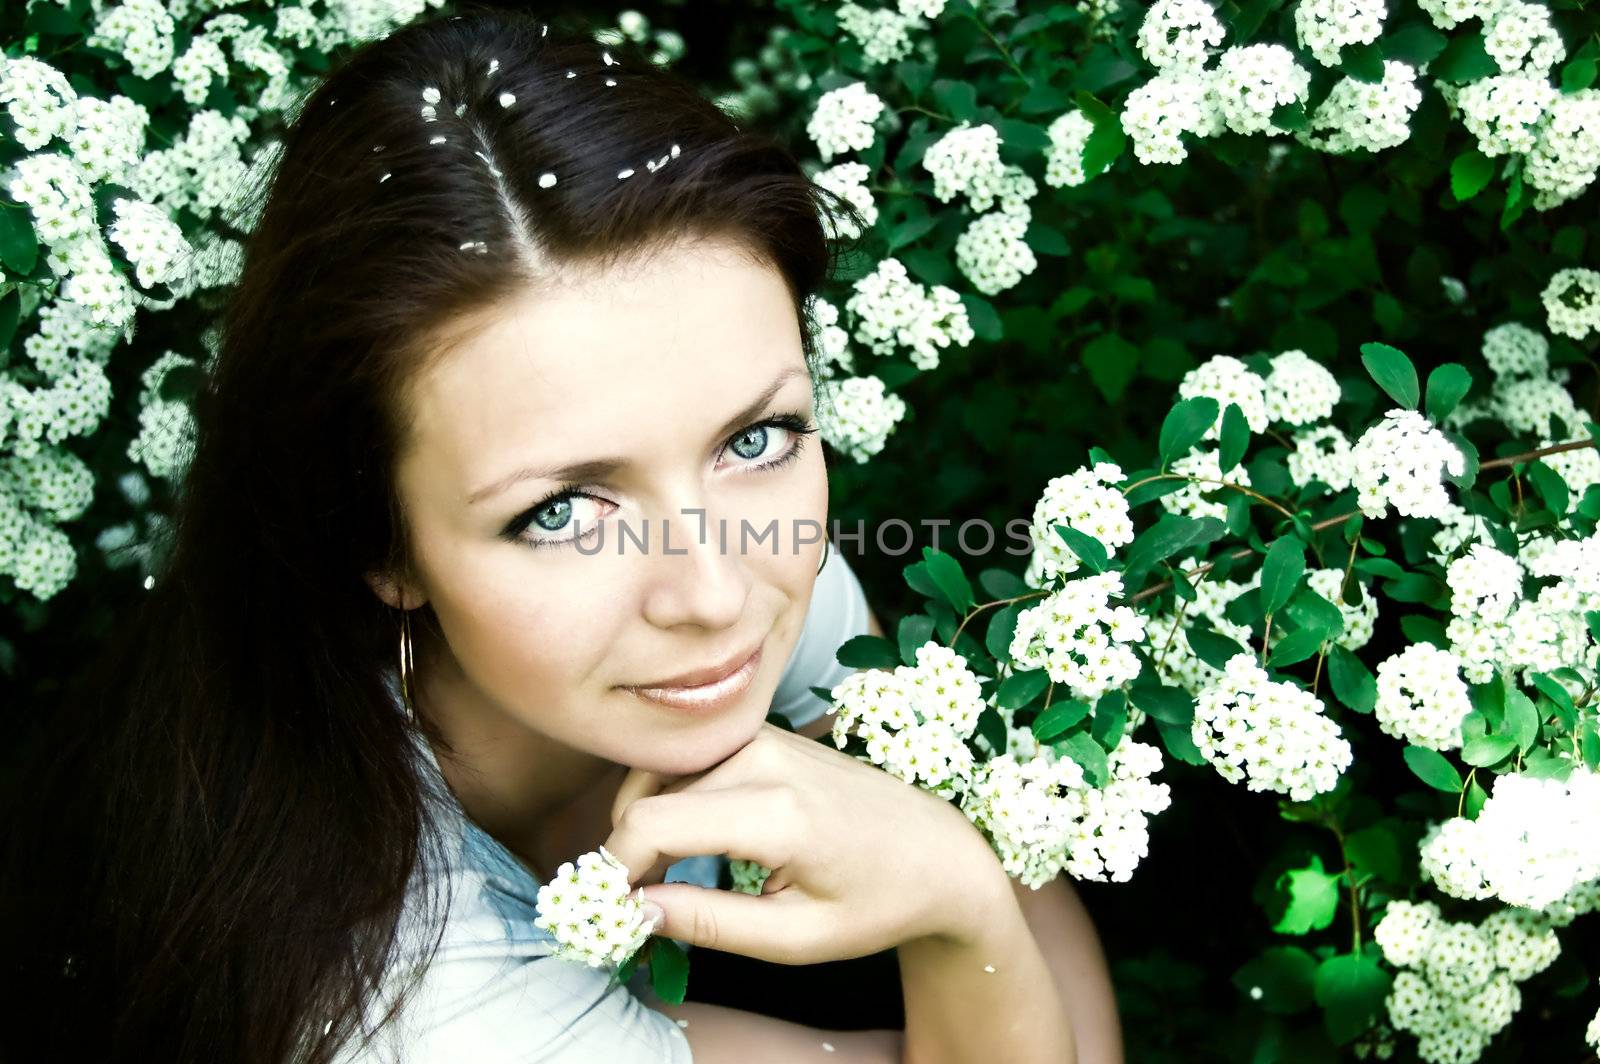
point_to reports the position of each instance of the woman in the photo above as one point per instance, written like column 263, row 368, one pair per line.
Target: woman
column 510, row 294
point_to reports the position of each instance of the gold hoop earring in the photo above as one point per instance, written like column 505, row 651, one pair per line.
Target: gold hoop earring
column 827, row 551
column 407, row 664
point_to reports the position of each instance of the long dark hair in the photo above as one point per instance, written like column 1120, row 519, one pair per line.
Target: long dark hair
column 220, row 834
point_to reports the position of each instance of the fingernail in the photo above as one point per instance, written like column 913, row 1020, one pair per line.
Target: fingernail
column 654, row 915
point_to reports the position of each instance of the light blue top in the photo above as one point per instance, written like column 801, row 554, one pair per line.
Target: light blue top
column 493, row 993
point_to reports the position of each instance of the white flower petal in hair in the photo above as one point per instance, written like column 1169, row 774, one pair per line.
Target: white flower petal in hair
column 675, row 151
column 489, row 162
column 624, row 173
column 430, row 95
column 507, row 99
column 612, row 82
column 607, row 57
column 546, row 180
column 377, row 147
column 440, row 139
column 461, row 109
column 428, row 113
column 544, row 29
column 384, row 178
column 478, row 245
column 494, row 64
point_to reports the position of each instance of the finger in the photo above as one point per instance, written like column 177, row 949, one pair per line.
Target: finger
column 755, row 823
column 638, row 783
column 780, row 928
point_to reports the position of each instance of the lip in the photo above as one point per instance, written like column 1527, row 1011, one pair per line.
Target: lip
column 716, row 688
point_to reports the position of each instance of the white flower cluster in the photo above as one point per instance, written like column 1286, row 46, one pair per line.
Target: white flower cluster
column 1253, row 81
column 1572, row 302
column 1520, row 38
column 1401, row 462
column 915, row 719
column 1157, row 114
column 1322, row 453
column 588, row 910
column 1063, row 160
column 1079, row 638
column 1299, row 389
column 1326, row 26
column 1532, row 844
column 150, row 240
column 848, row 181
column 1566, row 157
column 1457, row 987
column 1511, row 349
column 1179, row 34
column 1228, row 380
column 992, row 253
column 1087, row 501
column 1504, row 111
column 891, row 310
column 1269, row 733
column 1447, row 14
column 966, row 161
column 1175, row 660
column 1042, row 818
column 884, row 35
column 1422, row 698
column 842, row 120
column 856, row 415
column 1362, row 116
column 831, row 342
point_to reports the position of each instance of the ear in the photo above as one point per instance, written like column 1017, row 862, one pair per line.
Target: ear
column 395, row 593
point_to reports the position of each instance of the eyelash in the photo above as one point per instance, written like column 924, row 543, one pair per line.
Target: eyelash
column 793, row 422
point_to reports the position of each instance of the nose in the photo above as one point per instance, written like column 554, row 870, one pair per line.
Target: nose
column 694, row 580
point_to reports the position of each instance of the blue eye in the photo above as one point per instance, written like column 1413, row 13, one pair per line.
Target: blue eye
column 555, row 512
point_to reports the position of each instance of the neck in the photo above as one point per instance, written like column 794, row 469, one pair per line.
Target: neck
column 540, row 798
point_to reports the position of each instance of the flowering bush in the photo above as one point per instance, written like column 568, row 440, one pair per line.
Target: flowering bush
column 1355, row 586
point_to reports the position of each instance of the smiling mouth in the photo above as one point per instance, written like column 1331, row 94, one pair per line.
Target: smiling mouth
column 705, row 697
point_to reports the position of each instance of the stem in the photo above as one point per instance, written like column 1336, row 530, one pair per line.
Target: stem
column 1211, row 480
column 989, row 605
column 1461, row 802
column 1005, row 53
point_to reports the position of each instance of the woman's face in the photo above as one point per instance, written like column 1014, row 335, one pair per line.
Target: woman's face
column 668, row 369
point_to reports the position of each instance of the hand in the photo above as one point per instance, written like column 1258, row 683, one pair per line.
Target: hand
column 861, row 861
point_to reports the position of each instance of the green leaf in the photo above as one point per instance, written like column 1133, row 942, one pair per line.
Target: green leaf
column 1353, row 684
column 669, row 970
column 1432, row 768
column 1485, row 750
column 10, row 314
column 1313, row 899
column 19, row 248
column 1393, row 372
column 1020, row 688
column 1351, row 988
column 1169, row 705
column 1110, row 719
column 868, row 652
column 1170, row 536
column 1002, row 628
column 1281, row 572
column 1002, row 583
column 1578, row 75
column 1464, row 59
column 1279, row 979
column 1470, row 173
column 1235, row 438
column 1089, row 550
column 1090, row 756
column 1522, row 719
column 1213, row 648
column 985, row 320
column 1447, row 386
column 1374, row 851
column 958, row 99
column 1111, row 362
column 1363, row 62
column 946, row 573
column 914, row 631
column 1552, row 488
column 1058, row 718
column 1295, row 647
column 1186, row 425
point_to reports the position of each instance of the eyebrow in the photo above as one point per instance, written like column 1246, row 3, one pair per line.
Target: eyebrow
column 600, row 468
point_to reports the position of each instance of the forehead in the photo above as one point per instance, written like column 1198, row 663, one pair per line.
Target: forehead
column 601, row 362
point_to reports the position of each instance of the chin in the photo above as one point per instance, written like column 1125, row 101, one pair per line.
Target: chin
column 706, row 743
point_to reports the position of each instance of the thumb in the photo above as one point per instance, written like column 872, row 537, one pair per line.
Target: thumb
column 773, row 927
